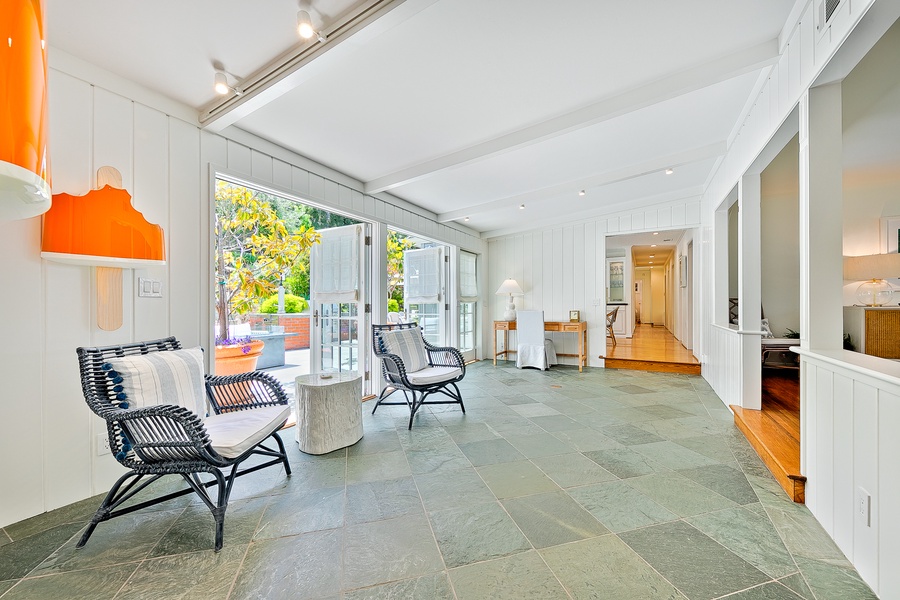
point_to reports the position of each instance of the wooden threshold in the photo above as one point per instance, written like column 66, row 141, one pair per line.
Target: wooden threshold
column 778, row 450
column 660, row 366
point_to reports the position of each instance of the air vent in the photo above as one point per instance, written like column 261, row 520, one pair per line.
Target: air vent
column 826, row 10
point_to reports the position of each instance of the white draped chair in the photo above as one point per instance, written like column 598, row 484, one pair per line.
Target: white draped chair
column 534, row 349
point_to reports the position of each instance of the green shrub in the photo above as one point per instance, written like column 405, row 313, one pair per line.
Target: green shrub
column 292, row 304
column 393, row 305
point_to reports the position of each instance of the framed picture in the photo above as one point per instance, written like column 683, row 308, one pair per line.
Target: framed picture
column 890, row 234
column 574, row 316
column 683, row 270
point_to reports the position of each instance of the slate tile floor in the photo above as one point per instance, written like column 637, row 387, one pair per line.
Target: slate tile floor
column 604, row 484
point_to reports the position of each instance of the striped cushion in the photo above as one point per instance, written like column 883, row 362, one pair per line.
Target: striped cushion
column 170, row 377
column 409, row 346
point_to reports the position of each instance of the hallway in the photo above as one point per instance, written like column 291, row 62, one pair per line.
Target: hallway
column 651, row 349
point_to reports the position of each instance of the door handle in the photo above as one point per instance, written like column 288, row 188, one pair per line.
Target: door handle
column 316, row 318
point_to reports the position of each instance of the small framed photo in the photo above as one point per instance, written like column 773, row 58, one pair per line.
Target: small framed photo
column 574, row 316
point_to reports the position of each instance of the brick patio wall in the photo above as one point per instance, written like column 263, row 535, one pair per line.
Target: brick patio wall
column 293, row 323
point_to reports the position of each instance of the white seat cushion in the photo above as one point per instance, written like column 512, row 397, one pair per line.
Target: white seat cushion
column 433, row 375
column 234, row 433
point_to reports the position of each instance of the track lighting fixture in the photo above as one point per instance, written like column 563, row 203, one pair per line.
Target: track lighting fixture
column 581, row 193
column 669, row 171
column 222, row 87
column 305, row 27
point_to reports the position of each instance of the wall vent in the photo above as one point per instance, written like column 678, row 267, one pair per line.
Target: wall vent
column 826, row 10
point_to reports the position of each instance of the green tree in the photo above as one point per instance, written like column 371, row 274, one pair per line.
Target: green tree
column 254, row 248
column 397, row 244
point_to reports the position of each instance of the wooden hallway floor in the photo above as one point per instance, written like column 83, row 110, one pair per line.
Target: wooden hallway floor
column 774, row 431
column 651, row 349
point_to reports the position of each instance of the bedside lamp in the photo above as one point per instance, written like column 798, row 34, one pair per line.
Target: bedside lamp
column 513, row 289
column 874, row 268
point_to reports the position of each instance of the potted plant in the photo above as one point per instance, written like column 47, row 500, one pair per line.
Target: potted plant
column 237, row 355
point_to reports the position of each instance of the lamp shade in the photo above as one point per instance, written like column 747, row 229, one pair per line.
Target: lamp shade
column 510, row 286
column 24, row 168
column 872, row 266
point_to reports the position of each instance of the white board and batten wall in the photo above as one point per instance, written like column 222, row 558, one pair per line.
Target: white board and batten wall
column 97, row 119
column 564, row 268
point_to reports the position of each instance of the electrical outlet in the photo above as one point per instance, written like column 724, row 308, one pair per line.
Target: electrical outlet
column 103, row 444
column 864, row 507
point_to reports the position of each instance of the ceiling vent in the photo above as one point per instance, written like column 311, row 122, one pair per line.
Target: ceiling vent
column 824, row 11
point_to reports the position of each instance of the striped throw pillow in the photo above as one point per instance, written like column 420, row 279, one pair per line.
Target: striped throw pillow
column 170, row 377
column 409, row 346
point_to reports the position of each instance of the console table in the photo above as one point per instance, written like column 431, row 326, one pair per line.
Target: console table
column 579, row 328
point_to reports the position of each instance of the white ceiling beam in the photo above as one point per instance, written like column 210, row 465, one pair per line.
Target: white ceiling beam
column 293, row 68
column 677, row 84
column 654, row 165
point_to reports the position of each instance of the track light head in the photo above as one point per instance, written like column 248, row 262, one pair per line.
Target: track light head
column 221, row 83
column 304, row 25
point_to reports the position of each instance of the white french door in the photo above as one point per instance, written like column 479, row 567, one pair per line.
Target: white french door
column 425, row 272
column 338, row 300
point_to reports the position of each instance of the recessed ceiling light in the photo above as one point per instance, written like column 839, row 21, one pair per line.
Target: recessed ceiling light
column 651, row 262
column 581, row 193
column 669, row 171
column 652, row 256
column 655, row 233
column 653, row 245
column 521, row 206
column 466, row 219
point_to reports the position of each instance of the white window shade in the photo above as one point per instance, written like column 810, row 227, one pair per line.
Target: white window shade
column 422, row 275
column 335, row 265
column 468, row 281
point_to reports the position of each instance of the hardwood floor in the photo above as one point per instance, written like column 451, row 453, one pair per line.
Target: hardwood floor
column 774, row 431
column 651, row 349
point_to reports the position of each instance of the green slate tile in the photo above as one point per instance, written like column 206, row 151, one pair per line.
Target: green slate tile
column 378, row 500
column 828, row 580
column 750, row 536
column 96, row 584
column 5, row 585
column 194, row 531
column 573, row 469
column 79, row 512
column 301, row 566
column 605, row 567
column 630, row 435
column 725, row 481
column 427, row 587
column 554, row 423
column 624, row 462
column 552, row 518
column 490, row 452
column 673, row 456
column 798, row 585
column 452, row 489
column 389, row 550
column 520, row 577
column 301, row 512
column 538, row 444
column 620, row 507
column 693, row 562
column 375, row 442
column 679, row 494
column 767, row 591
column 19, row 558
column 476, row 533
column 192, row 576
column 586, row 439
column 376, row 467
column 522, row 478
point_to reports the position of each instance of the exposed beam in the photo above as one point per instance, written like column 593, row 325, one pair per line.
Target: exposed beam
column 654, row 165
column 674, row 85
column 291, row 69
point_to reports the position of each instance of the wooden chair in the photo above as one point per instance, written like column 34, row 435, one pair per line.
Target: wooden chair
column 175, row 436
column 610, row 321
column 416, row 368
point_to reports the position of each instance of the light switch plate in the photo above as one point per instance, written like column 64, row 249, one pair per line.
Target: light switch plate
column 149, row 288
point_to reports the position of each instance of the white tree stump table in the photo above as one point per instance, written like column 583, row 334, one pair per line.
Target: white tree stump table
column 329, row 411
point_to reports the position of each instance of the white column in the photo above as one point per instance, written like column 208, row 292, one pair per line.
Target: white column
column 748, row 289
column 720, row 266
column 821, row 219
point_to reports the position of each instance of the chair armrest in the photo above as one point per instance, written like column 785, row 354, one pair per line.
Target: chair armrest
column 394, row 368
column 448, row 356
column 244, row 391
column 159, row 434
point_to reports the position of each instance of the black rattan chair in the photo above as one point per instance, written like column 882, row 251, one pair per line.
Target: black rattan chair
column 445, row 368
column 166, row 439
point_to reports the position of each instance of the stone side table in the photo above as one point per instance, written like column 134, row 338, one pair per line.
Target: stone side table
column 329, row 411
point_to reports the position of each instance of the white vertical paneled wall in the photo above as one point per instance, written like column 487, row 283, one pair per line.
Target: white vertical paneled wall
column 47, row 432
column 851, row 410
column 564, row 268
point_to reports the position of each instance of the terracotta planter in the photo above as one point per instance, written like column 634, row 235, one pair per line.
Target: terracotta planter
column 238, row 358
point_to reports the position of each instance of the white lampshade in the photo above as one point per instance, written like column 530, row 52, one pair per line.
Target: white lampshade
column 874, row 268
column 510, row 286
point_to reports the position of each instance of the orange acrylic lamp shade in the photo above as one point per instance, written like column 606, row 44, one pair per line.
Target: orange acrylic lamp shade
column 24, row 169
column 101, row 224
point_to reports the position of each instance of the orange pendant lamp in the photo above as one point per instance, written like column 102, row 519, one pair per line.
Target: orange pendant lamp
column 24, row 168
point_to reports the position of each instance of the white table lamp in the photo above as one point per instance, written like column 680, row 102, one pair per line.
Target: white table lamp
column 513, row 289
column 872, row 270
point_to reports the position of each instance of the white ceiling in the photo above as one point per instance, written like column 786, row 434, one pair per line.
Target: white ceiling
column 467, row 108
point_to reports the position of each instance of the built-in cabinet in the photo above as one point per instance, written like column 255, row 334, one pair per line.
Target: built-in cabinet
column 874, row 330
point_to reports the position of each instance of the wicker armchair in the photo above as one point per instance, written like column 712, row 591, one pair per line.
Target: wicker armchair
column 445, row 366
column 165, row 439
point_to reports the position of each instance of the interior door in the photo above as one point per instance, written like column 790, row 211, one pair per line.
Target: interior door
column 468, row 305
column 338, row 300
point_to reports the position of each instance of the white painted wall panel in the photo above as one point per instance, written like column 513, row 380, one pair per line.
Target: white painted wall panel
column 885, row 505
column 239, row 158
column 261, row 166
column 858, row 468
